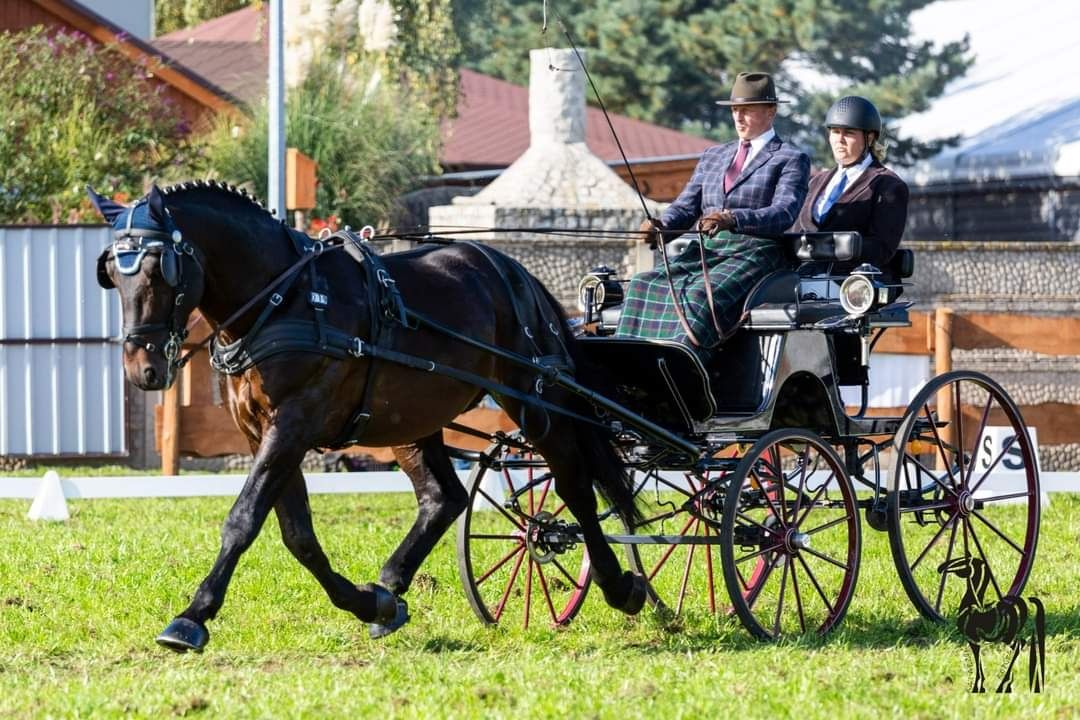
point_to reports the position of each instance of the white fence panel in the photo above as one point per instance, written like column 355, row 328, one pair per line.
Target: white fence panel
column 61, row 377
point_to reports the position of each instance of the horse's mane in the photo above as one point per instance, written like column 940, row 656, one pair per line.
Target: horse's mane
column 221, row 190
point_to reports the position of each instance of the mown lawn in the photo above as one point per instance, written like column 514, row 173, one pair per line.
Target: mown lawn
column 81, row 602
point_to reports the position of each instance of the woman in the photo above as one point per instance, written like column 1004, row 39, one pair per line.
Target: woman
column 860, row 193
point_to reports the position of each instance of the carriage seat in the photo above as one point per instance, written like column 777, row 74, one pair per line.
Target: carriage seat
column 788, row 298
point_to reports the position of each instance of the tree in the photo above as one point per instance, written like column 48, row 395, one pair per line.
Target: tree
column 171, row 15
column 372, row 145
column 74, row 112
column 667, row 61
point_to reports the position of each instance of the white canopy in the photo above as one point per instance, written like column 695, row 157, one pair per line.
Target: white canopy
column 1017, row 109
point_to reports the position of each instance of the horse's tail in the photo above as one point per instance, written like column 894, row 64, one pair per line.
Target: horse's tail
column 602, row 460
column 1037, row 650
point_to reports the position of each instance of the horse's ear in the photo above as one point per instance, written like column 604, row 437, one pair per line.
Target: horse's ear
column 156, row 199
column 109, row 210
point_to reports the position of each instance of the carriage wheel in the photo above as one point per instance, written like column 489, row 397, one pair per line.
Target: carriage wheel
column 519, row 554
column 790, row 537
column 949, row 500
column 680, row 529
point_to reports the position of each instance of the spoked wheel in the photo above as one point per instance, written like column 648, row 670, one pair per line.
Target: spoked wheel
column 951, row 499
column 677, row 538
column 790, row 538
column 519, row 552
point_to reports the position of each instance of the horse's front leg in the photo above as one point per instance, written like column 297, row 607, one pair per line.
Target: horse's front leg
column 978, row 685
column 369, row 603
column 277, row 459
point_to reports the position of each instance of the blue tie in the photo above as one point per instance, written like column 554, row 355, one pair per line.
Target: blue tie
column 831, row 200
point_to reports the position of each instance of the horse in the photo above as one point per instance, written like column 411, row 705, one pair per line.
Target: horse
column 211, row 247
column 1001, row 622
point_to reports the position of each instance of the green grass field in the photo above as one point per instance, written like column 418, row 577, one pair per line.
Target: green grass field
column 81, row 602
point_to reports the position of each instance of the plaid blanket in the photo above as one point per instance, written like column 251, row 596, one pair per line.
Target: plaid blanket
column 735, row 263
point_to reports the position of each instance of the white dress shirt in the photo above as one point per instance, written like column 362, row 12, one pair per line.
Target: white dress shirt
column 852, row 172
column 756, row 144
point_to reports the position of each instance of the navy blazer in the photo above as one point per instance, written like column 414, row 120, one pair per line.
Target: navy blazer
column 765, row 198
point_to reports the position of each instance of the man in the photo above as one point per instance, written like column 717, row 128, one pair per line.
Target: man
column 742, row 196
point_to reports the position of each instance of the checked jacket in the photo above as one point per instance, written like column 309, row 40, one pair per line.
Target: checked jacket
column 765, row 200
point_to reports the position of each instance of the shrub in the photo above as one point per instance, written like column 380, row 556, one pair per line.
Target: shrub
column 74, row 112
column 373, row 141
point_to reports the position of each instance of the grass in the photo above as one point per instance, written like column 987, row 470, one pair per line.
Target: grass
column 81, row 602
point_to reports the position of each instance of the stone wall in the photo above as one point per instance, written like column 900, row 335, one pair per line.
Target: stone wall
column 1009, row 277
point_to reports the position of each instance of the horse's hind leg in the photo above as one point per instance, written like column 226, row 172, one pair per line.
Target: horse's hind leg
column 440, row 498
column 1005, row 686
column 622, row 590
column 368, row 603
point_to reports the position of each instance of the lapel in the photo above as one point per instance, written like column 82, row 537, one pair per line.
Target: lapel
column 757, row 161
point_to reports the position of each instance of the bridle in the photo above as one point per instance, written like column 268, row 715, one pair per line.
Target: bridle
column 130, row 245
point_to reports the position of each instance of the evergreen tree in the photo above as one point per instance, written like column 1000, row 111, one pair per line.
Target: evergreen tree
column 667, row 61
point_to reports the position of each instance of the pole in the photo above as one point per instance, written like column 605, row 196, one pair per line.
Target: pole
column 275, row 186
column 170, row 430
column 943, row 325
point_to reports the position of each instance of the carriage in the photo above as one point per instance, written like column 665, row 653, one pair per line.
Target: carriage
column 754, row 473
column 749, row 474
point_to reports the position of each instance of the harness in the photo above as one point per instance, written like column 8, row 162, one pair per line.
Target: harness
column 386, row 313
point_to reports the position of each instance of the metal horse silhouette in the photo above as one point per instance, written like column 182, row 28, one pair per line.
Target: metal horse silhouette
column 1001, row 622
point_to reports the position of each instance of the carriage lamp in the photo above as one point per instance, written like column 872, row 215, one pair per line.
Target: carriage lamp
column 861, row 291
column 598, row 291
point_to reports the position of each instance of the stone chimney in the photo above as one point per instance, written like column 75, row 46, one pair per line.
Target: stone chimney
column 557, row 181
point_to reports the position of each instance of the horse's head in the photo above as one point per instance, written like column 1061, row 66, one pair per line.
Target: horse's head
column 963, row 567
column 160, row 280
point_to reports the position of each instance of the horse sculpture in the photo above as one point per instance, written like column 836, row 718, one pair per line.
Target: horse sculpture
column 1001, row 622
column 211, row 247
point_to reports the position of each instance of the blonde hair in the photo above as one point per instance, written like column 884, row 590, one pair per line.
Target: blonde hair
column 877, row 148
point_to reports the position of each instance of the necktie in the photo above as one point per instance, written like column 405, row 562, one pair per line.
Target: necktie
column 823, row 210
column 736, row 167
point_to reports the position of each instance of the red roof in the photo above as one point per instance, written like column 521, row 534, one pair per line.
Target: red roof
column 492, row 129
column 492, row 126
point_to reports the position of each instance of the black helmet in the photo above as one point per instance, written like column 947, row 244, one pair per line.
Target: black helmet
column 854, row 112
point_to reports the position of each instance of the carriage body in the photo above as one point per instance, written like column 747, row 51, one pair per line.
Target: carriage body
column 783, row 470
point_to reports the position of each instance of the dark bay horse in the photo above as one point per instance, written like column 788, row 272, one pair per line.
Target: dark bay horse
column 211, row 247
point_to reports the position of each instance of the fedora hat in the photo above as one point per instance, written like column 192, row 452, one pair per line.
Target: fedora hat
column 752, row 88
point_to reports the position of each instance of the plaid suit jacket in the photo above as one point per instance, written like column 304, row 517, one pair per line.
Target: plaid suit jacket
column 765, row 198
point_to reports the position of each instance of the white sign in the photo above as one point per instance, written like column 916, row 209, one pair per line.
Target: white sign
column 995, row 439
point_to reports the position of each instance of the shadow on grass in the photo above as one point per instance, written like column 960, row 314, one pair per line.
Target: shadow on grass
column 857, row 631
column 444, row 644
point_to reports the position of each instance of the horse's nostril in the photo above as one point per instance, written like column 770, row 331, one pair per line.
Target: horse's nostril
column 149, row 375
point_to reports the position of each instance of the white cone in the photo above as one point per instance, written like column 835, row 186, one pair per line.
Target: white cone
column 49, row 503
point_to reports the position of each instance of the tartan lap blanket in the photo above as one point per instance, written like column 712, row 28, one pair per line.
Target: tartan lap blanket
column 735, row 264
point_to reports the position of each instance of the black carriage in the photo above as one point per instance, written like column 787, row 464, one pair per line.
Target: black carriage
column 754, row 474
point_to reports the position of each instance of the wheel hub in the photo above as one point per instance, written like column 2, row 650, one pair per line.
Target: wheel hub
column 546, row 536
column 966, row 503
column 795, row 540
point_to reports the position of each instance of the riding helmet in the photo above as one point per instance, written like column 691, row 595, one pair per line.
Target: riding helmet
column 854, row 112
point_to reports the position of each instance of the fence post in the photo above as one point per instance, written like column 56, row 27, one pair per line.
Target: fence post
column 170, row 429
column 943, row 325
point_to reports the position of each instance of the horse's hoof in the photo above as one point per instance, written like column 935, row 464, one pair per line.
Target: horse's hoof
column 401, row 616
column 182, row 635
column 385, row 602
column 635, row 596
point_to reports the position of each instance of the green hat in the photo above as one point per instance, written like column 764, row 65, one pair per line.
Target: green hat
column 752, row 88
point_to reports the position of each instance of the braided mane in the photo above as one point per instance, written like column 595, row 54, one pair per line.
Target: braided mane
column 220, row 187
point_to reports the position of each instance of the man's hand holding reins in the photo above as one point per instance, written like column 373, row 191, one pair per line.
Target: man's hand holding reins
column 715, row 221
column 652, row 232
